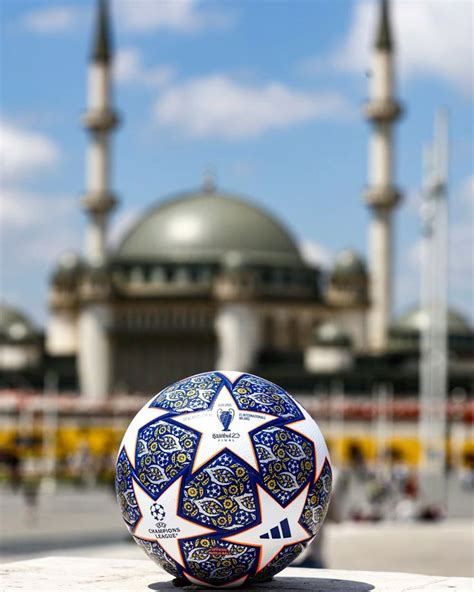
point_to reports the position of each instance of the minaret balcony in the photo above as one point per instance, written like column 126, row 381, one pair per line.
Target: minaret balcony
column 96, row 284
column 100, row 120
column 62, row 299
column 99, row 202
column 383, row 110
column 382, row 197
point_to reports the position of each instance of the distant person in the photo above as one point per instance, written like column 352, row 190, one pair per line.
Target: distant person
column 11, row 460
column 81, row 465
column 31, row 481
column 407, row 508
column 466, row 474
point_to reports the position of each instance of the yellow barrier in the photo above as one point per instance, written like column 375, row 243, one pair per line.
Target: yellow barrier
column 105, row 440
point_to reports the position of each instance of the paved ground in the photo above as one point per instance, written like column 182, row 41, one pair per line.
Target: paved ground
column 65, row 519
column 87, row 523
column 78, row 574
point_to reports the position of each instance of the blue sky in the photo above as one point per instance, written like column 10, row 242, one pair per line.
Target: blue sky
column 266, row 93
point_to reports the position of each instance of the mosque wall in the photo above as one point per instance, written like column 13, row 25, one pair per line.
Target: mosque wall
column 62, row 333
column 147, row 363
column 154, row 344
column 354, row 323
column 94, row 359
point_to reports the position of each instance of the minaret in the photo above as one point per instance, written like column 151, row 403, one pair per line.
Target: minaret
column 382, row 197
column 95, row 318
column 100, row 119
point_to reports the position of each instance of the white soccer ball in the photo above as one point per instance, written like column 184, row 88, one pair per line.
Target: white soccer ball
column 223, row 478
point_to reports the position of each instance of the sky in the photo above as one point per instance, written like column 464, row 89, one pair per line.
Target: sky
column 267, row 94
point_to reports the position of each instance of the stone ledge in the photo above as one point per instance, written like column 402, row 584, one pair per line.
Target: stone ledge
column 77, row 574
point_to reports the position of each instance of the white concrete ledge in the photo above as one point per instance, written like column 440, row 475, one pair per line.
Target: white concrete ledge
column 77, row 574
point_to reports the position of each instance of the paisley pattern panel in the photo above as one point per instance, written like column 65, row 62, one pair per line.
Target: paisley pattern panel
column 286, row 461
column 191, row 394
column 256, row 394
column 282, row 560
column 317, row 502
column 124, row 490
column 218, row 562
column 159, row 556
column 163, row 451
column 221, row 495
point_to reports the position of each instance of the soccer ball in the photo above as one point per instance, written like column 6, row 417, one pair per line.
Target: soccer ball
column 223, row 478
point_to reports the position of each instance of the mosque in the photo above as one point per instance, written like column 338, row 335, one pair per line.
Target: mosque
column 207, row 279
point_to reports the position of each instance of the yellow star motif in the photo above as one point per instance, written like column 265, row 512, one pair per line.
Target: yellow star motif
column 172, row 528
column 224, row 426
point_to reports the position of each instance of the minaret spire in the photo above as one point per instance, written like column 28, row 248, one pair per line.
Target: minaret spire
column 99, row 120
column 384, row 34
column 102, row 42
column 381, row 196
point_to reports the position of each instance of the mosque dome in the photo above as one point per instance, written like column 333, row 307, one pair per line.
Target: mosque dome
column 414, row 320
column 205, row 226
column 349, row 265
column 15, row 326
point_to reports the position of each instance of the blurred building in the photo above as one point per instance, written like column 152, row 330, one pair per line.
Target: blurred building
column 207, row 279
column 21, row 344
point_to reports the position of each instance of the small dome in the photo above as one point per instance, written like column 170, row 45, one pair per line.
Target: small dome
column 349, row 265
column 68, row 266
column 415, row 319
column 14, row 325
column 205, row 226
column 69, row 260
column 330, row 335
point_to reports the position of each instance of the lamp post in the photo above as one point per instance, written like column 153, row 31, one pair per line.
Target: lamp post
column 433, row 329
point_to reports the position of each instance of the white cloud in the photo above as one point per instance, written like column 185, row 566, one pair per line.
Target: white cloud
column 185, row 16
column 216, row 105
column 34, row 227
column 432, row 38
column 26, row 210
column 52, row 19
column 23, row 152
column 315, row 254
column 30, row 230
column 132, row 16
column 129, row 69
column 18, row 209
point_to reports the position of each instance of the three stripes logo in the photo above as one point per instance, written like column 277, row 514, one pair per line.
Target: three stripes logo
column 280, row 531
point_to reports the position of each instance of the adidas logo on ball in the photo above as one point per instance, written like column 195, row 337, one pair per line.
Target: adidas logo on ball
column 281, row 531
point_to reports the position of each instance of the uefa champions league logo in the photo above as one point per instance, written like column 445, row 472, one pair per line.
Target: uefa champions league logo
column 225, row 417
column 158, row 512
